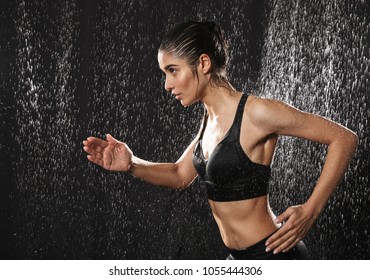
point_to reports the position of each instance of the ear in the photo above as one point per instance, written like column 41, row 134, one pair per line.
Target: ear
column 205, row 63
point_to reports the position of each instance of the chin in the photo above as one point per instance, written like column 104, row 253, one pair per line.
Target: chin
column 186, row 103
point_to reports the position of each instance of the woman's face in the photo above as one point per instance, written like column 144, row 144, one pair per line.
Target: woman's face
column 180, row 80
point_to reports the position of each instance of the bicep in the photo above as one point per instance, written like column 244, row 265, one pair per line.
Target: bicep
column 184, row 164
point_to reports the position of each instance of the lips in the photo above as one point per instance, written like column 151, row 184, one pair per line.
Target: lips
column 177, row 95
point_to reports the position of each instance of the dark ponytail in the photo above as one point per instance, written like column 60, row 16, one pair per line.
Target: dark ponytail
column 221, row 45
column 189, row 40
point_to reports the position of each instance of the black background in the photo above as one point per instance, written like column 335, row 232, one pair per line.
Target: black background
column 70, row 69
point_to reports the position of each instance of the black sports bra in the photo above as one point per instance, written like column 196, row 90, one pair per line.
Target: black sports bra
column 228, row 173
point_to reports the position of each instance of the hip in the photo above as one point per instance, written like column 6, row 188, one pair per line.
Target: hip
column 257, row 251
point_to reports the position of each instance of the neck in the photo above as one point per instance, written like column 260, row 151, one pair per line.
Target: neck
column 217, row 100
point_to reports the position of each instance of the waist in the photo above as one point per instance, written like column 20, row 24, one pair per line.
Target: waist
column 258, row 252
column 256, row 246
column 243, row 223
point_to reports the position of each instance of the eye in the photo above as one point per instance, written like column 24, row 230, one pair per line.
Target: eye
column 172, row 70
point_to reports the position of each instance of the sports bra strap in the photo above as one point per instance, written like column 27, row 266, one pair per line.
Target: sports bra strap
column 237, row 119
column 204, row 124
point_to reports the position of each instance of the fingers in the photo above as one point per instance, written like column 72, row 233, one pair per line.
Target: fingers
column 279, row 237
column 95, row 142
column 111, row 139
column 283, row 240
column 284, row 216
column 283, row 229
column 96, row 153
column 98, row 150
column 95, row 148
column 297, row 223
column 292, row 244
column 287, row 245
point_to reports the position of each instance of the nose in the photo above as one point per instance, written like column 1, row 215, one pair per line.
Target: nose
column 168, row 85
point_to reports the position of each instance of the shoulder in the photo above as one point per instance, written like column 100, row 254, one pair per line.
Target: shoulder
column 259, row 108
column 267, row 114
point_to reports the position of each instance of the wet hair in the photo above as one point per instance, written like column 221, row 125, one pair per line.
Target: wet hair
column 189, row 40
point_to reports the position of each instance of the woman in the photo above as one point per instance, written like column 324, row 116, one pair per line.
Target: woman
column 234, row 149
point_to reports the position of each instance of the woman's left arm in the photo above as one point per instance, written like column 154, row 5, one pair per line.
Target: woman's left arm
column 279, row 118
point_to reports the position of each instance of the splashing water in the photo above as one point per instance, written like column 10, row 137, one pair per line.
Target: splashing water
column 80, row 68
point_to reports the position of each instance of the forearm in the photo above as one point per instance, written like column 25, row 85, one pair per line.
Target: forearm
column 337, row 160
column 160, row 174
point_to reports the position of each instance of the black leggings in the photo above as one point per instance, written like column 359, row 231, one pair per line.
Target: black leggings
column 258, row 252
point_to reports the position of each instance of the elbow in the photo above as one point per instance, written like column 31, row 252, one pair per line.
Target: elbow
column 346, row 142
column 184, row 182
column 353, row 140
column 183, row 185
column 350, row 143
column 183, row 178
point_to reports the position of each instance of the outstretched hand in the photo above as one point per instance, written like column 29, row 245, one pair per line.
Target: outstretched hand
column 111, row 154
column 297, row 222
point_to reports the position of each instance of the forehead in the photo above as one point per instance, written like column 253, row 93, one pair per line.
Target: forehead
column 165, row 59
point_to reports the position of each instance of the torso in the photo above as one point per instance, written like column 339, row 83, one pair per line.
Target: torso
column 242, row 222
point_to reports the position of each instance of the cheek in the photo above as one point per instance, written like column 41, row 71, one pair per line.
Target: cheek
column 190, row 81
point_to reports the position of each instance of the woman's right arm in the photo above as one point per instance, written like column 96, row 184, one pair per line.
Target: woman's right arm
column 116, row 156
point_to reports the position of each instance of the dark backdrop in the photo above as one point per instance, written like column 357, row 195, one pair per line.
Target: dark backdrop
column 70, row 69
